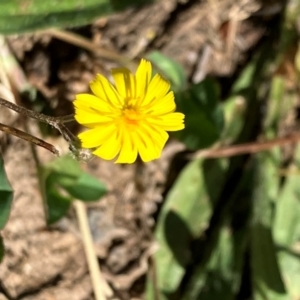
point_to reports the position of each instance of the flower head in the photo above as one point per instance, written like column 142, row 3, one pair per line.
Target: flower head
column 129, row 118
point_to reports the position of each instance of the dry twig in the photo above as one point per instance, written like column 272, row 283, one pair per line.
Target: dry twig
column 56, row 122
column 246, row 148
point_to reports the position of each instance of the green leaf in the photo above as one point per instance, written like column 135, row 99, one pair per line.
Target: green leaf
column 220, row 257
column 234, row 110
column 289, row 261
column 57, row 204
column 6, row 196
column 169, row 69
column 64, row 181
column 65, row 165
column 184, row 216
column 276, row 107
column 86, row 188
column 266, row 274
column 20, row 16
column 287, row 232
column 287, row 223
column 217, row 278
column 245, row 80
column 203, row 115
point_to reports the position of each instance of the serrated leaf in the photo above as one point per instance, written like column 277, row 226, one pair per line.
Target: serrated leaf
column 6, row 196
column 218, row 277
column 222, row 257
column 289, row 261
column 169, row 69
column 287, row 232
column 286, row 223
column 267, row 278
column 203, row 115
column 184, row 216
column 266, row 274
column 21, row 16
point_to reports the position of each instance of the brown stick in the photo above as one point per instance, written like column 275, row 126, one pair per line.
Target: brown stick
column 56, row 122
column 28, row 137
column 247, row 148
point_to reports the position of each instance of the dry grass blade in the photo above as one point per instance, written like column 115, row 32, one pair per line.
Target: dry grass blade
column 101, row 288
column 84, row 43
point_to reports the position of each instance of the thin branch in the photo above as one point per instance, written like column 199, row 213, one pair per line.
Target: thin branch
column 28, row 137
column 29, row 113
column 56, row 122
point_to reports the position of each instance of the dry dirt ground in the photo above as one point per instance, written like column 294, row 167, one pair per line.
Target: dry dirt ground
column 213, row 38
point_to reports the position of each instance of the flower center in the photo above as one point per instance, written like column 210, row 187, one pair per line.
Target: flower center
column 131, row 116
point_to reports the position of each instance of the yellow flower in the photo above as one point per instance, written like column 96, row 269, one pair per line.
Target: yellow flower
column 129, row 118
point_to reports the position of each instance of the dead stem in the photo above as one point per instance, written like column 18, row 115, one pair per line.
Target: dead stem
column 246, row 148
column 28, row 137
column 56, row 122
column 29, row 113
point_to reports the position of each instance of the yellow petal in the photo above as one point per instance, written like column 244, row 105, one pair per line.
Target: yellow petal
column 162, row 106
column 125, row 83
column 157, row 88
column 103, row 89
column 146, row 154
column 143, row 76
column 110, row 148
column 87, row 101
column 149, row 143
column 169, row 122
column 158, row 136
column 87, row 118
column 128, row 153
column 95, row 137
